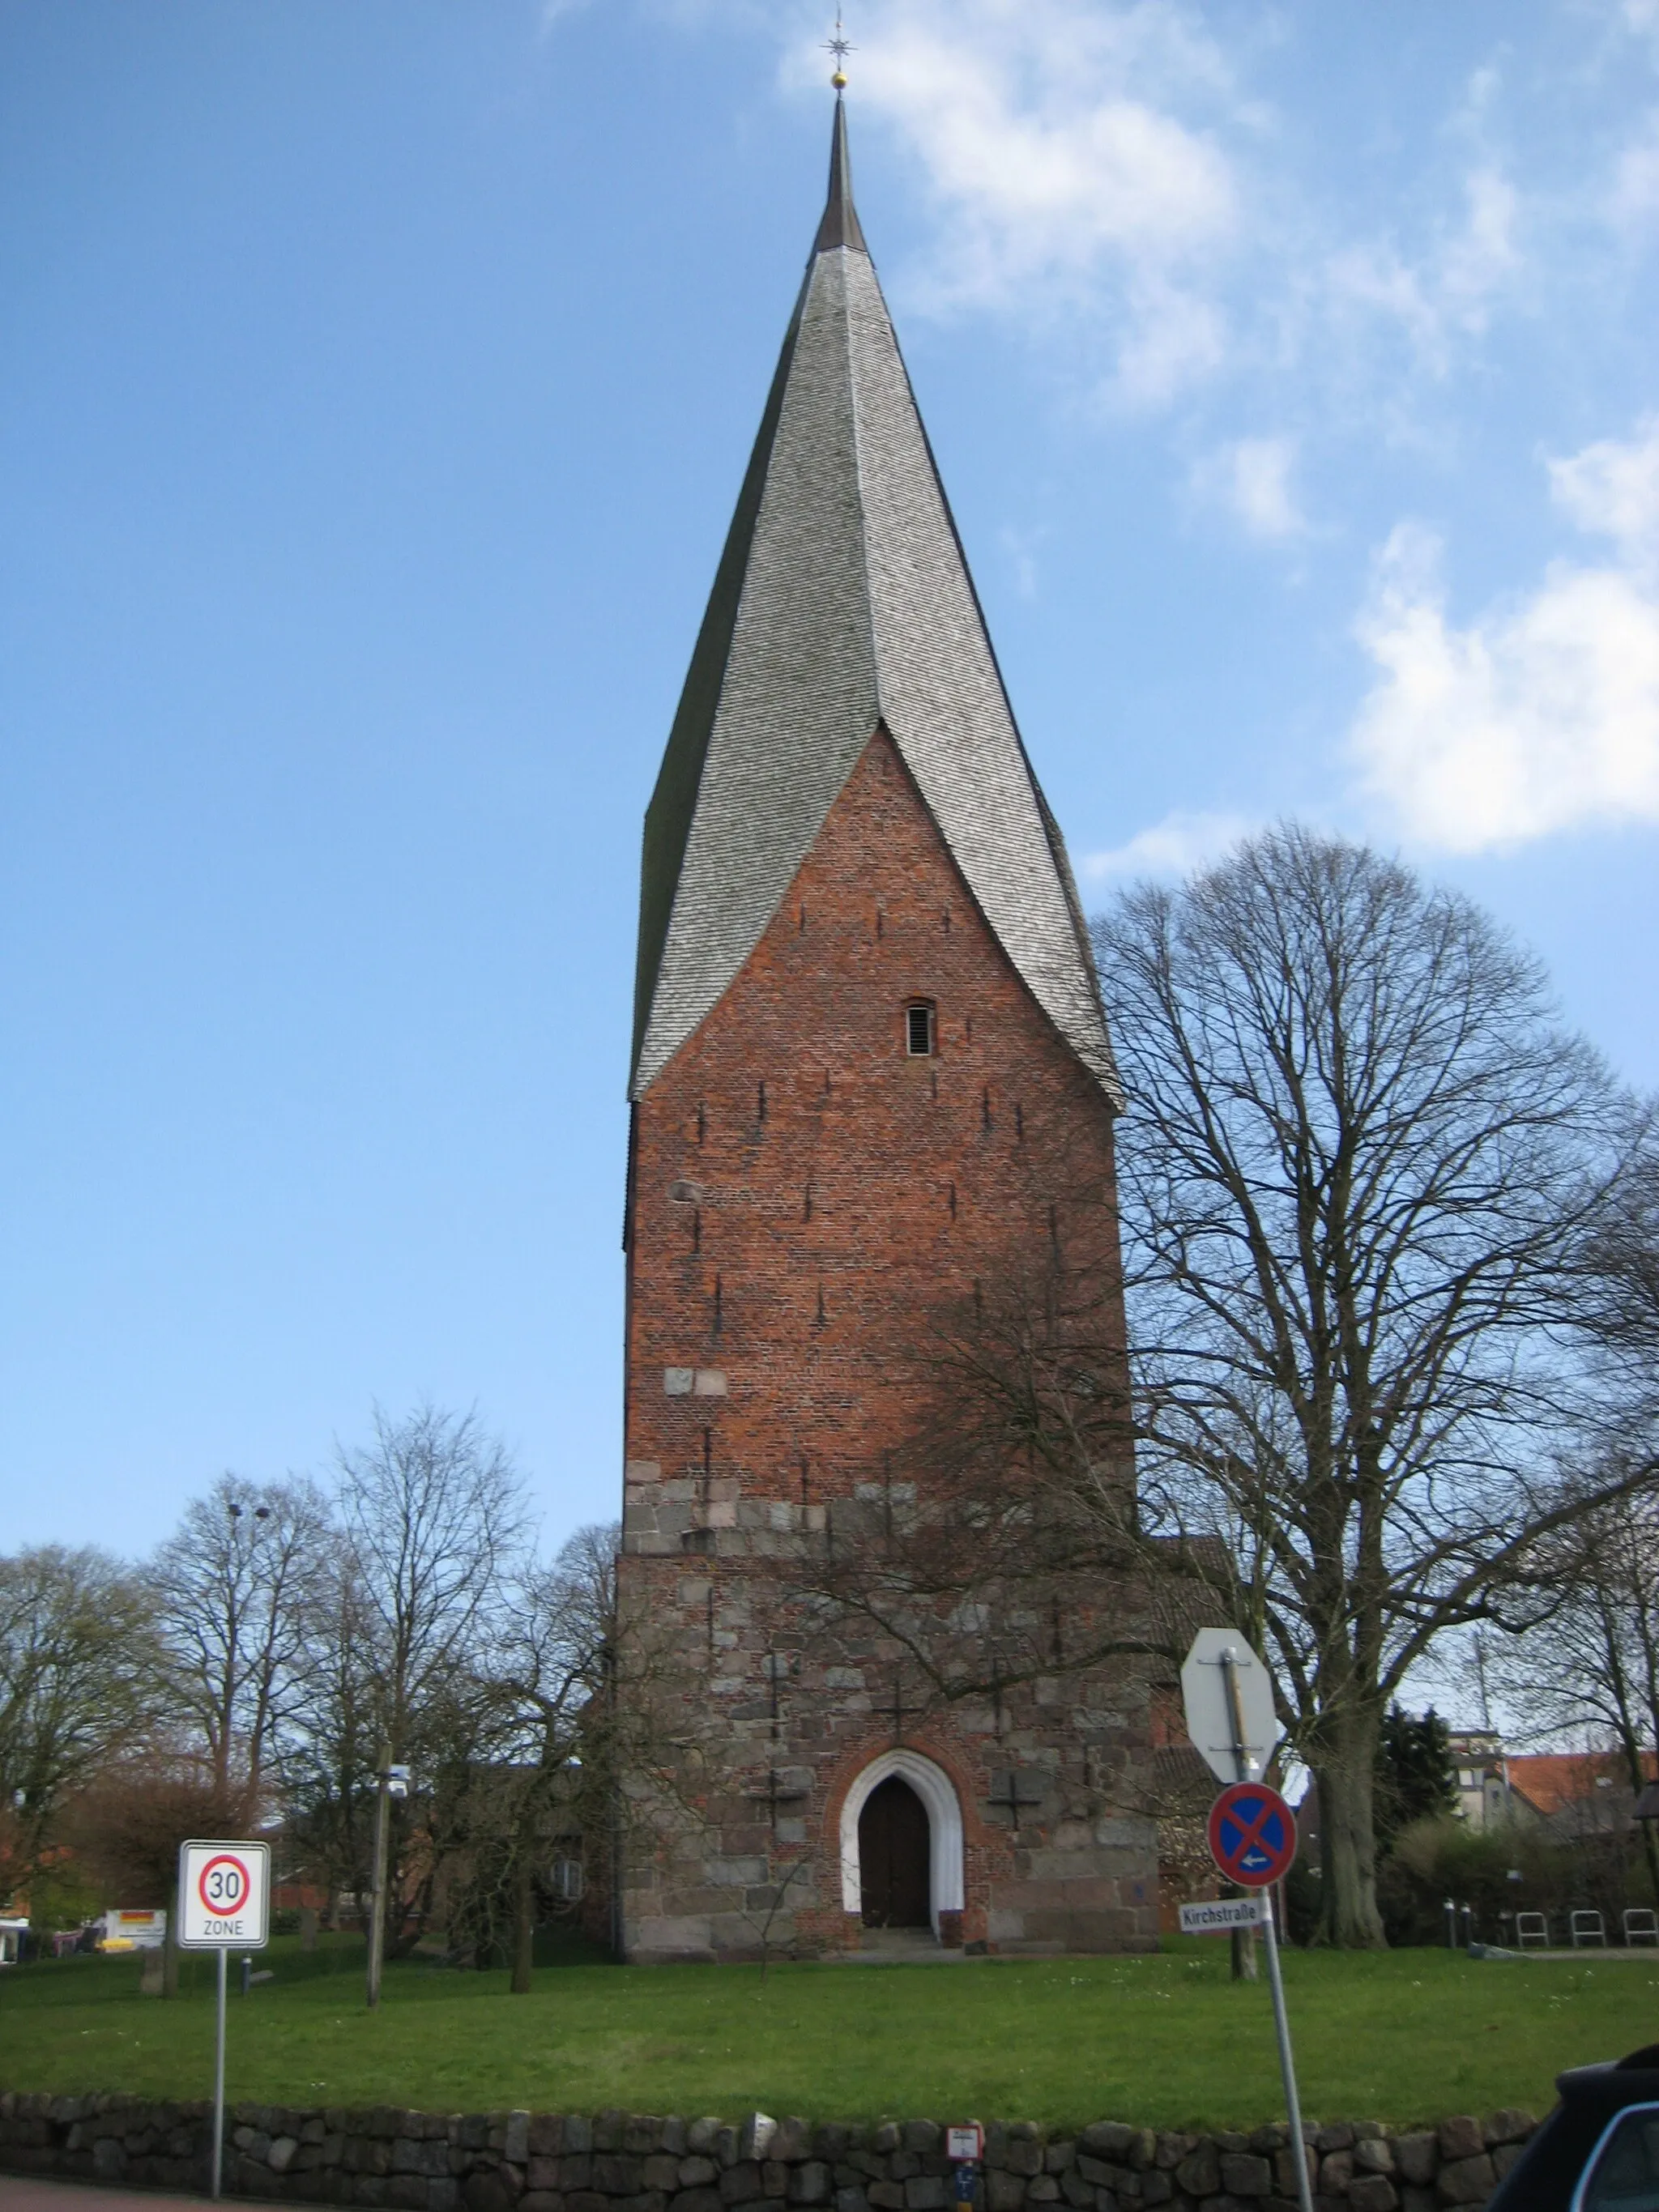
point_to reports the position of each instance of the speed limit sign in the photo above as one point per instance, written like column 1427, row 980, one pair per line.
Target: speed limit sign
column 224, row 1896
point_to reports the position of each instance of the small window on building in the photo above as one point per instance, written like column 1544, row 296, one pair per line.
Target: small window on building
column 918, row 1029
column 568, row 1880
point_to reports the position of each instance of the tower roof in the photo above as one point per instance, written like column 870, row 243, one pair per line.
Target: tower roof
column 842, row 601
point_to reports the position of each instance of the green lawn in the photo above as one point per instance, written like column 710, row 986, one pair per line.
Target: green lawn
column 1167, row 2041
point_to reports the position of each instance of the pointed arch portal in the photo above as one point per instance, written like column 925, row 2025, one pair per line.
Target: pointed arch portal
column 938, row 1794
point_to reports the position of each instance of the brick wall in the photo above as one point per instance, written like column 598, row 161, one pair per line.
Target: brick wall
column 808, row 1206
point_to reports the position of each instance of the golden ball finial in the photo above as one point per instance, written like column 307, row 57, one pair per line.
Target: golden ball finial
column 841, row 45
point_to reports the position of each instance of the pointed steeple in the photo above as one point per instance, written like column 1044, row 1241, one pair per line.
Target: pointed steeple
column 842, row 600
column 840, row 225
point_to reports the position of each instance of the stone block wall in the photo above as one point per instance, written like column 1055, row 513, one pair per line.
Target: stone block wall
column 392, row 2161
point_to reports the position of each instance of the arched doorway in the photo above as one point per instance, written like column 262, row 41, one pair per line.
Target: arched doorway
column 935, row 1795
column 894, row 1850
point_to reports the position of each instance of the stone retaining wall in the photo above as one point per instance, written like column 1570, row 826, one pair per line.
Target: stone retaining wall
column 399, row 2161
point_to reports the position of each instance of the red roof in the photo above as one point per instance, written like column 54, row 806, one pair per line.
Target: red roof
column 1551, row 1780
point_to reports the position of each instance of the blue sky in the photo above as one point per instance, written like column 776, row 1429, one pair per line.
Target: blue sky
column 375, row 380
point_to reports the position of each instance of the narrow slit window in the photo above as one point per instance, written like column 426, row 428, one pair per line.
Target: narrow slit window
column 919, row 1030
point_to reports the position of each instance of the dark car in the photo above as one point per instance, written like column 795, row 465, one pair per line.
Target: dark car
column 1599, row 2149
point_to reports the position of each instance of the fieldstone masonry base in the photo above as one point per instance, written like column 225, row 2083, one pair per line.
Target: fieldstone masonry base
column 399, row 2161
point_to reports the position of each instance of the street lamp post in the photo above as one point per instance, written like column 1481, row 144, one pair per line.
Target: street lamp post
column 391, row 1782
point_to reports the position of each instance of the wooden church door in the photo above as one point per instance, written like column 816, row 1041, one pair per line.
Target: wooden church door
column 893, row 1857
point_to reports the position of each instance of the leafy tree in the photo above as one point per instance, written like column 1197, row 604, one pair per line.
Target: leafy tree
column 1416, row 1779
column 135, row 1812
column 79, row 1678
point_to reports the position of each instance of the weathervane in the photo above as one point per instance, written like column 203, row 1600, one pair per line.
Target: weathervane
column 840, row 47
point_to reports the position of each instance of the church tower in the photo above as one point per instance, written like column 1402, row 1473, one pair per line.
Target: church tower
column 869, row 1069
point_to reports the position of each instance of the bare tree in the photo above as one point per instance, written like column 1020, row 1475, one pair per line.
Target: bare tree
column 328, row 1754
column 556, row 1673
column 536, row 1771
column 1592, row 1666
column 434, row 1519
column 1357, row 1158
column 79, row 1668
column 1617, row 1273
column 237, row 1588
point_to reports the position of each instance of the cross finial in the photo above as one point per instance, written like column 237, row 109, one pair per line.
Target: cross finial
column 839, row 46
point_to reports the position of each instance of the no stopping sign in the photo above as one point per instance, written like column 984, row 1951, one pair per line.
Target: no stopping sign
column 1252, row 1834
column 224, row 1895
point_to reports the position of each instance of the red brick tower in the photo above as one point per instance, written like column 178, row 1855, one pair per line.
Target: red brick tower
column 869, row 1060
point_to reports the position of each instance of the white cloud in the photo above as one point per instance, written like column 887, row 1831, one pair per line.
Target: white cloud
column 1059, row 144
column 1611, row 490
column 1541, row 715
column 1634, row 203
column 1252, row 479
column 1448, row 291
column 1021, row 548
column 1174, row 847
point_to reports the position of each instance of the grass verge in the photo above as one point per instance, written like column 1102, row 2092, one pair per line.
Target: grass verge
column 1168, row 2041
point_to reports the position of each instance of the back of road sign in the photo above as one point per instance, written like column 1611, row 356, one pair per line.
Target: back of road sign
column 1210, row 1722
column 224, row 1896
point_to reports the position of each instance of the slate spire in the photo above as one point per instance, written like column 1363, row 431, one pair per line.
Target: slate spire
column 840, row 225
column 843, row 601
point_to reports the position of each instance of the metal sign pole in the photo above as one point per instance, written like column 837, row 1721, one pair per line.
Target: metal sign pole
column 1286, row 2063
column 224, row 1896
column 377, row 1893
column 1270, row 1938
column 219, row 2084
column 1244, row 1770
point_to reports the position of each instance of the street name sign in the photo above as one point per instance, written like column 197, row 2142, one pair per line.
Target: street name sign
column 1228, row 1696
column 224, row 1896
column 1219, row 1916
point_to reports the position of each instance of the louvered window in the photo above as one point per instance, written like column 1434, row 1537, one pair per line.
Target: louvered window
column 918, row 1029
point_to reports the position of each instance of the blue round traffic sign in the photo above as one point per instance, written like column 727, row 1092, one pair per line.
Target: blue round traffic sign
column 1252, row 1834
